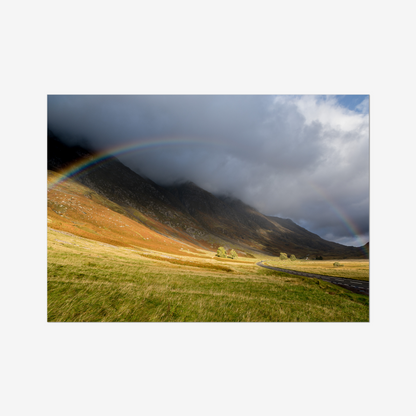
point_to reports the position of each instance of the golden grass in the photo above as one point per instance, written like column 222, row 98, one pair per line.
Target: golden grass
column 91, row 281
column 351, row 269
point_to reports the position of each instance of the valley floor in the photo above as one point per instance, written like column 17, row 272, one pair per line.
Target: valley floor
column 91, row 281
column 349, row 269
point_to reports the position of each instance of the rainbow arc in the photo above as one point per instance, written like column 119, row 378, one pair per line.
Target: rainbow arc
column 88, row 164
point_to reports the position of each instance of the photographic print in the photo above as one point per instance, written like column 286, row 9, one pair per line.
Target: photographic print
column 208, row 208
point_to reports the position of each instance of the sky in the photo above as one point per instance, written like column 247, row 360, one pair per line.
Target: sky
column 300, row 157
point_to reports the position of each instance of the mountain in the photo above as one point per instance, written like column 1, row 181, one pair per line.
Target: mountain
column 184, row 212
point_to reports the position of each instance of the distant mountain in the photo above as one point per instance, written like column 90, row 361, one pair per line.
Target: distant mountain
column 189, row 213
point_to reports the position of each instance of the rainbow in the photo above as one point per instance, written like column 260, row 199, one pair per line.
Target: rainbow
column 92, row 162
column 352, row 228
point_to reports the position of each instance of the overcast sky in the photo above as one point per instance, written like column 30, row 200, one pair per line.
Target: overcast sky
column 299, row 157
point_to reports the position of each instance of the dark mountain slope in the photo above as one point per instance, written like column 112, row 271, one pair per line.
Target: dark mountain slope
column 61, row 156
column 233, row 220
column 312, row 242
column 186, row 211
column 223, row 216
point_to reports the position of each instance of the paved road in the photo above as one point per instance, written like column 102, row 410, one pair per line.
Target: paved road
column 357, row 286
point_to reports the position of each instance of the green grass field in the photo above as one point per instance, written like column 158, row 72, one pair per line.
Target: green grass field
column 92, row 282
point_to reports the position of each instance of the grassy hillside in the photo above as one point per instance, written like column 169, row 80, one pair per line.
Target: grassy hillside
column 76, row 209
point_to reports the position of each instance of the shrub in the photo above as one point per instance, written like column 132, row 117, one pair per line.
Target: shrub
column 336, row 264
column 233, row 254
column 319, row 258
column 293, row 257
column 283, row 256
column 221, row 252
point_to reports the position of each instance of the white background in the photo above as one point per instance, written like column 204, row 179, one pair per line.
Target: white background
column 227, row 47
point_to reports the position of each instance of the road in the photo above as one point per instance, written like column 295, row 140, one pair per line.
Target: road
column 357, row 286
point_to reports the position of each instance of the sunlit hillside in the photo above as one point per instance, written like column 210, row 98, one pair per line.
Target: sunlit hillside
column 76, row 209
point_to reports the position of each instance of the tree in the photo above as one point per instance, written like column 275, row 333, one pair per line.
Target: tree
column 283, row 256
column 221, row 252
column 233, row 254
column 293, row 257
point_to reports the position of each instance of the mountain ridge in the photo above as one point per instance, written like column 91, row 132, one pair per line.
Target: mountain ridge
column 184, row 209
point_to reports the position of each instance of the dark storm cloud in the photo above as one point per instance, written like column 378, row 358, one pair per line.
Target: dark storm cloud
column 304, row 157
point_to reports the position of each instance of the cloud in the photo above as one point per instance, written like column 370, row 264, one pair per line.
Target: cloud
column 299, row 157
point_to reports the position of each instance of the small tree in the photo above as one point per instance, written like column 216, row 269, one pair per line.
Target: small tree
column 293, row 257
column 283, row 256
column 221, row 252
column 233, row 254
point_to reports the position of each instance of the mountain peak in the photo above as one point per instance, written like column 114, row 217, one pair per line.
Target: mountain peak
column 186, row 212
